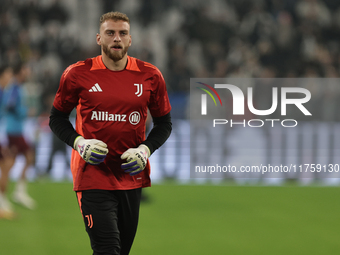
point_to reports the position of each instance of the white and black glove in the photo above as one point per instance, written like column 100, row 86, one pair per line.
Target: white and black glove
column 93, row 151
column 136, row 159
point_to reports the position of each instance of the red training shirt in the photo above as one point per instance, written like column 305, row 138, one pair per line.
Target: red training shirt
column 111, row 107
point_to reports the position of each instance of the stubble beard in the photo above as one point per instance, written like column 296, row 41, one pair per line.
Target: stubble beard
column 116, row 55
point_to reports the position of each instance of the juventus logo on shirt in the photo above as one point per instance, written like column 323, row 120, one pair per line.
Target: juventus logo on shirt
column 139, row 91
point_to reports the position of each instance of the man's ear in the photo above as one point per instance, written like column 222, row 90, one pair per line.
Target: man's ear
column 98, row 39
column 130, row 41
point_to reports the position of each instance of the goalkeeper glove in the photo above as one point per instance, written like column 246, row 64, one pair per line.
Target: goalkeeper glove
column 136, row 159
column 93, row 151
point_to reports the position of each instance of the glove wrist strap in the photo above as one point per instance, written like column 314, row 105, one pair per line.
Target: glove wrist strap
column 146, row 149
column 76, row 142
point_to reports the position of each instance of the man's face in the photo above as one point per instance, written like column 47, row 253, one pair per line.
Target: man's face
column 6, row 76
column 114, row 38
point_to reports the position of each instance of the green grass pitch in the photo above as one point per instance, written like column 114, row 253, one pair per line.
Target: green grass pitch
column 189, row 219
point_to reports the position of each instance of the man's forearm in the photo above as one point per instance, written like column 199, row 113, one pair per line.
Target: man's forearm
column 159, row 133
column 62, row 127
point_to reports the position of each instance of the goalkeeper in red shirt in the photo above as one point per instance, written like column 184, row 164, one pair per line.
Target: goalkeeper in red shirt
column 112, row 94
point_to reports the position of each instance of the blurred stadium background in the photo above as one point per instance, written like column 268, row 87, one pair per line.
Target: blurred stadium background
column 184, row 39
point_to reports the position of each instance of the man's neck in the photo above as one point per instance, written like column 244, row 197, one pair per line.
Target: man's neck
column 114, row 65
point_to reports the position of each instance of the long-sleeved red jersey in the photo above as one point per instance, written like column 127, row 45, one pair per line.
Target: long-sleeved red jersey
column 111, row 107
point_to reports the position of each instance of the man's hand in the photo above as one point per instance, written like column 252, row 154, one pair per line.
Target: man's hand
column 93, row 151
column 136, row 159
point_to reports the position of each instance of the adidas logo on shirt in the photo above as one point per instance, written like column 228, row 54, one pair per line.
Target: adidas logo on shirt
column 96, row 88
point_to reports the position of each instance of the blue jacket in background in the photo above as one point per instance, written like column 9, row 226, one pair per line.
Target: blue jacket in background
column 14, row 110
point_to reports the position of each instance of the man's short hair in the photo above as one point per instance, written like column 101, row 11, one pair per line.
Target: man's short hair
column 17, row 67
column 115, row 16
column 4, row 67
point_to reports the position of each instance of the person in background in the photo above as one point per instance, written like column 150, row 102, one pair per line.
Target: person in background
column 15, row 114
column 6, row 163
